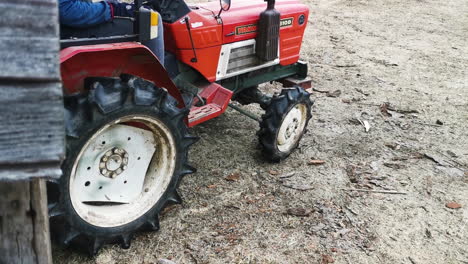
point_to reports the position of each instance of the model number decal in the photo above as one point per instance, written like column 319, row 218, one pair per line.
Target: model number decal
column 252, row 28
column 286, row 22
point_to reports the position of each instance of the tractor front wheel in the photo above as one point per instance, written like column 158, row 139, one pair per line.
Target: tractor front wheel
column 127, row 150
column 284, row 123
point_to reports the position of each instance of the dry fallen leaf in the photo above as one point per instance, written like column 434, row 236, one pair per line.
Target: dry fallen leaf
column 351, row 172
column 165, row 261
column 366, row 125
column 233, row 176
column 392, row 146
column 327, row 259
column 384, row 109
column 393, row 165
column 453, row 205
column 298, row 211
column 335, row 93
column 316, row 162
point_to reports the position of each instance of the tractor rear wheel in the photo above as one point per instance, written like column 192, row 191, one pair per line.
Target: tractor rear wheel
column 127, row 148
column 284, row 123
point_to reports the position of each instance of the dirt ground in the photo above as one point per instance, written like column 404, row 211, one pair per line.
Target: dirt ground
column 411, row 54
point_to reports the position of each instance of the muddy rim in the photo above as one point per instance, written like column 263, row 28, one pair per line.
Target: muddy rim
column 122, row 171
column 292, row 128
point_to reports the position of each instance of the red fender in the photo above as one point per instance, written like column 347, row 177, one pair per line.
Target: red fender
column 111, row 60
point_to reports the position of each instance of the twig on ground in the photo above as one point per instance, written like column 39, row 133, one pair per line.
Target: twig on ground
column 427, row 124
column 375, row 191
column 287, row 175
column 350, row 210
column 454, row 161
column 319, row 91
column 345, row 66
column 299, row 187
column 369, row 104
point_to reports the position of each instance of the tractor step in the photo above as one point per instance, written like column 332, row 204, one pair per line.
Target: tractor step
column 216, row 99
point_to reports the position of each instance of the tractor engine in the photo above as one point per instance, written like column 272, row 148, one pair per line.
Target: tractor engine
column 250, row 36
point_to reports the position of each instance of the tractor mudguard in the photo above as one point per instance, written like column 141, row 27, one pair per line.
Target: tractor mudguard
column 111, row 60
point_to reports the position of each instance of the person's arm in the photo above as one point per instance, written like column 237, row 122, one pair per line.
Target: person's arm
column 81, row 14
column 76, row 13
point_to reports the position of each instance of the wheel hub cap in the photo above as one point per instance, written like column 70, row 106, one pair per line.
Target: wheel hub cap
column 122, row 171
column 292, row 127
column 113, row 163
column 114, row 166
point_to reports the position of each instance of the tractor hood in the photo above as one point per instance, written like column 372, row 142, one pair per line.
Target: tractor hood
column 240, row 22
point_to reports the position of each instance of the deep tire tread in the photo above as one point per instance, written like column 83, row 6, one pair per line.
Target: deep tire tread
column 273, row 117
column 107, row 98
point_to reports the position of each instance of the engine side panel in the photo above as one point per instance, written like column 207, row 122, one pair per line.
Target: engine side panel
column 240, row 23
column 207, row 37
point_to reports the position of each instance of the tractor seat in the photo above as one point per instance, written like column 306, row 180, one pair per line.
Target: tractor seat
column 119, row 26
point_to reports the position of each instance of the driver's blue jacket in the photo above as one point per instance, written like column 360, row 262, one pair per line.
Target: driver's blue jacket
column 77, row 13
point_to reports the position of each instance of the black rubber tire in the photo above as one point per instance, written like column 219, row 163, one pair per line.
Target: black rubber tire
column 109, row 99
column 273, row 118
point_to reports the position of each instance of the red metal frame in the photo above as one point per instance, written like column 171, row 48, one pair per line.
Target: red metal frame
column 111, row 60
column 216, row 100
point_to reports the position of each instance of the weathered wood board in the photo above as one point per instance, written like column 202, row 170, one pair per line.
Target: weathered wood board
column 31, row 126
column 31, row 130
column 24, row 225
column 31, row 107
column 29, row 44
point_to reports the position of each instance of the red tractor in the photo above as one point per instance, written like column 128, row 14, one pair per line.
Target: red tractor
column 128, row 115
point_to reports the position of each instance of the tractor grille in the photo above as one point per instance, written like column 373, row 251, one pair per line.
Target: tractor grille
column 242, row 58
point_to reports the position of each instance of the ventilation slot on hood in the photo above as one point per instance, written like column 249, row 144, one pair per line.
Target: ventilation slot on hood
column 242, row 58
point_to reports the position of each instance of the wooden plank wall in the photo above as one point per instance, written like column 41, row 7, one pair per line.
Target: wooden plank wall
column 24, row 225
column 31, row 126
column 31, row 112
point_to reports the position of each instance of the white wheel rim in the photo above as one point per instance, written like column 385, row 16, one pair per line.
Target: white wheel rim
column 104, row 196
column 292, row 128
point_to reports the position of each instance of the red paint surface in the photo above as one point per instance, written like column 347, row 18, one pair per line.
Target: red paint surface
column 207, row 37
column 217, row 99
